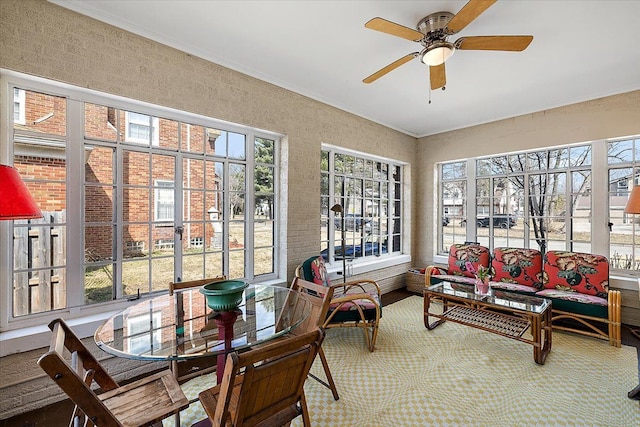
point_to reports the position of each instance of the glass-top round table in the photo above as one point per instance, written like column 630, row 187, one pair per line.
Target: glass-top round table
column 182, row 326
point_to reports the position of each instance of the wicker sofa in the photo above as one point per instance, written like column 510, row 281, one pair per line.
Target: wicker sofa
column 576, row 283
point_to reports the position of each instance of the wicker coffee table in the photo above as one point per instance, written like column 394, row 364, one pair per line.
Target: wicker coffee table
column 503, row 313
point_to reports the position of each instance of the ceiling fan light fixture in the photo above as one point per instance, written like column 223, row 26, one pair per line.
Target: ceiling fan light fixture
column 437, row 53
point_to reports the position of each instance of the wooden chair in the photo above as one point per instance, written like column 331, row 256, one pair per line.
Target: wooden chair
column 264, row 386
column 188, row 369
column 140, row 403
column 320, row 297
column 180, row 286
column 356, row 303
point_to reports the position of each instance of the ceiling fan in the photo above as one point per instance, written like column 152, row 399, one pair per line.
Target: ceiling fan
column 433, row 32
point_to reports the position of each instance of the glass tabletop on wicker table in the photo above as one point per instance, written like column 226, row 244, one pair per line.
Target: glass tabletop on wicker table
column 503, row 313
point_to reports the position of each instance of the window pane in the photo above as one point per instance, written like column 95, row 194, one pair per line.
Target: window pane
column 237, row 146
column 193, row 138
column 167, row 133
column 39, row 245
column 44, row 114
column 620, row 151
column 100, row 122
column 580, row 156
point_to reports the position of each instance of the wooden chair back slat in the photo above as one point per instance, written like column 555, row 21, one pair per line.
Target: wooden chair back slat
column 140, row 403
column 318, row 296
column 264, row 386
column 73, row 385
column 177, row 286
column 62, row 333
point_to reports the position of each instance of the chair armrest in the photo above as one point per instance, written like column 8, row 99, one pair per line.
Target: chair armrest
column 352, row 297
column 430, row 271
column 358, row 285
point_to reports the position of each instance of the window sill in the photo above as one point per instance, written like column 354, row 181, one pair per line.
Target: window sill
column 363, row 266
column 34, row 337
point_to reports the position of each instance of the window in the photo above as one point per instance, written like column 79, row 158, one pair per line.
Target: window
column 164, row 206
column 370, row 193
column 543, row 200
column 124, row 219
column 18, row 106
column 141, row 129
column 453, row 193
column 624, row 172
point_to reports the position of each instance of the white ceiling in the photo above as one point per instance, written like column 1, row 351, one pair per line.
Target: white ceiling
column 581, row 50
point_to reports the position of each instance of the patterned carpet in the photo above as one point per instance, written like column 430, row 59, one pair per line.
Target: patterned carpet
column 459, row 376
column 456, row 375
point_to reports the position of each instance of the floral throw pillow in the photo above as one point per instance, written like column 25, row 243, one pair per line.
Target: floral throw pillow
column 460, row 254
column 315, row 271
column 516, row 265
column 576, row 272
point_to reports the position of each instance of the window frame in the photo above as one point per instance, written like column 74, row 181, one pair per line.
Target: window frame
column 75, row 307
column 600, row 188
column 357, row 236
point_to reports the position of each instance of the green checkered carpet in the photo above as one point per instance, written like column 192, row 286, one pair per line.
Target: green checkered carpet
column 459, row 376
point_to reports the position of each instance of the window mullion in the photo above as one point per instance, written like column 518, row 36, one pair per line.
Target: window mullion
column 471, row 201
column 600, row 211
column 75, row 222
column 119, row 218
column 249, row 207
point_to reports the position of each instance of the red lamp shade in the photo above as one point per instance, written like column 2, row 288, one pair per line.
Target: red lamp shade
column 15, row 200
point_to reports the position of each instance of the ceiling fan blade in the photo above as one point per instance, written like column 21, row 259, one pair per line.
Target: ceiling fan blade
column 468, row 13
column 375, row 76
column 511, row 43
column 437, row 76
column 380, row 24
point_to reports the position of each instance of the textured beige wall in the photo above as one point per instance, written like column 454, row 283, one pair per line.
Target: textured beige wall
column 42, row 39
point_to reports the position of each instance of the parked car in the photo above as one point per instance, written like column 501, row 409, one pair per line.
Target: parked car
column 352, row 222
column 445, row 221
column 499, row 221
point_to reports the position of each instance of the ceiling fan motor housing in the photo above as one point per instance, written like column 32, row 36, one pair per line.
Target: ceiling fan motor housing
column 434, row 27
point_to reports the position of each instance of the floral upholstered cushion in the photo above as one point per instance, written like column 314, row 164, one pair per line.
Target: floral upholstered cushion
column 364, row 304
column 517, row 266
column 576, row 272
column 577, row 303
column 460, row 254
column 315, row 271
column 572, row 296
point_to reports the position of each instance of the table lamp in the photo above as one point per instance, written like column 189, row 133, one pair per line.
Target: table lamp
column 15, row 200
